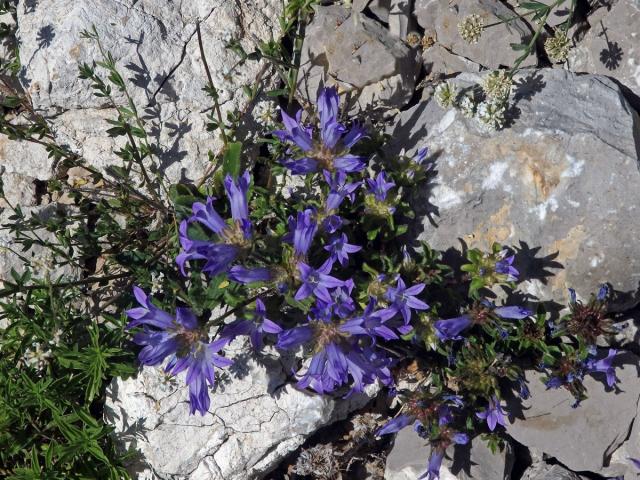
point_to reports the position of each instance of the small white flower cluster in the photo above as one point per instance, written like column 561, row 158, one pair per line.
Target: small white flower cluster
column 39, row 355
column 266, row 113
column 157, row 280
column 490, row 113
column 558, row 46
column 470, row 28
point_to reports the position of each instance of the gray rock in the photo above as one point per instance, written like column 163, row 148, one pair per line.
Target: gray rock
column 543, row 471
column 155, row 46
column 409, row 457
column 440, row 20
column 558, row 184
column 439, row 60
column 254, row 421
column 400, row 21
column 582, row 438
column 380, row 8
column 612, row 45
column 358, row 54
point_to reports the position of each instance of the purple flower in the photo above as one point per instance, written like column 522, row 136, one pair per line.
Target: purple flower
column 433, row 469
column 605, row 366
column 451, row 328
column 237, row 193
column 304, row 230
column 340, row 249
column 245, row 275
column 369, row 324
column 602, row 293
column 200, row 365
column 554, row 383
column 330, row 151
column 293, row 338
column 396, row 424
column 339, row 357
column 379, row 187
column 513, row 312
column 181, row 339
column 332, row 223
column 504, row 266
column 233, row 238
column 255, row 327
column 402, row 300
column 317, row 281
column 493, row 414
column 421, row 155
column 339, row 189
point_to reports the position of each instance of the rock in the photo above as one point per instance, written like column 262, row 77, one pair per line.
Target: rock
column 439, row 60
column 379, row 8
column 554, row 184
column 543, row 471
column 612, row 45
column 409, row 457
column 582, row 438
column 156, row 49
column 255, row 420
column 400, row 22
column 440, row 19
column 357, row 53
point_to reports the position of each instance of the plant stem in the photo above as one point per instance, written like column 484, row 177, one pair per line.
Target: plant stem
column 216, row 104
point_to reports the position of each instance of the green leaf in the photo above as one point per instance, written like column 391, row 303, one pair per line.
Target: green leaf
column 534, row 6
column 231, row 162
column 518, row 46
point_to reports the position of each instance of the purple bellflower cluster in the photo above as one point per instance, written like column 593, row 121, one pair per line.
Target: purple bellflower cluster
column 329, row 150
column 336, row 272
column 180, row 339
column 233, row 237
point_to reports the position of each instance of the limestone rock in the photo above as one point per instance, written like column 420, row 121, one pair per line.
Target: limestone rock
column 155, row 46
column 379, row 8
column 543, row 471
column 439, row 60
column 612, row 45
column 560, row 183
column 582, row 438
column 254, row 421
column 440, row 19
column 409, row 457
column 357, row 53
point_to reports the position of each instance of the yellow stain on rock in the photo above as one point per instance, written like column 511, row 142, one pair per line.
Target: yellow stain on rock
column 497, row 228
column 538, row 165
column 568, row 249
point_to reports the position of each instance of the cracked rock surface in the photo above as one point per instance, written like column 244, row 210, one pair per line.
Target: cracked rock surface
column 155, row 46
column 344, row 47
column 256, row 418
column 558, row 184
